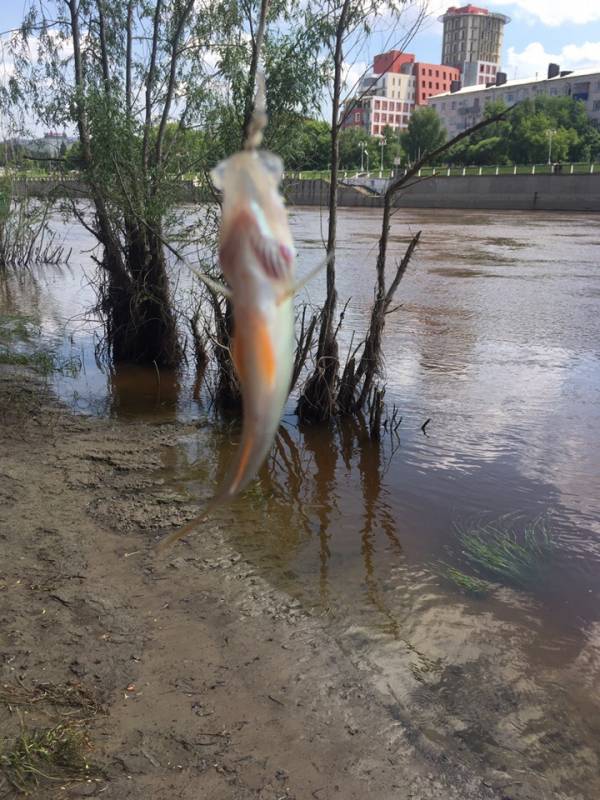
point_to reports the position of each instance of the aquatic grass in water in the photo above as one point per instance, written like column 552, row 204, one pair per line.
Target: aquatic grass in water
column 507, row 554
column 17, row 333
column 467, row 583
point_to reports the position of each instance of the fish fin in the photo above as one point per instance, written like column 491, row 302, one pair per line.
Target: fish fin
column 219, row 499
column 223, row 496
column 216, row 286
column 276, row 259
column 266, row 353
column 242, row 464
column 306, row 279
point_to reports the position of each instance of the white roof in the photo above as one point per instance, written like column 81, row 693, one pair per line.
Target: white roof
column 576, row 73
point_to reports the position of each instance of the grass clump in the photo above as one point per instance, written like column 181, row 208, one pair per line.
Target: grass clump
column 18, row 335
column 503, row 552
column 58, row 753
column 40, row 361
column 466, row 583
column 510, row 555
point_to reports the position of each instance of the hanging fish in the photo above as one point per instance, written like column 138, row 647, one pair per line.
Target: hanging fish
column 256, row 254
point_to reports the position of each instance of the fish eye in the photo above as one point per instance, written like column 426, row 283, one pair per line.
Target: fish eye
column 272, row 163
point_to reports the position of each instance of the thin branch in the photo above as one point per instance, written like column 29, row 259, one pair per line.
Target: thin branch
column 172, row 75
column 150, row 84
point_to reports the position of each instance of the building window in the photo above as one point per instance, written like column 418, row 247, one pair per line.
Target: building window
column 376, row 117
column 375, row 129
column 357, row 117
column 376, row 103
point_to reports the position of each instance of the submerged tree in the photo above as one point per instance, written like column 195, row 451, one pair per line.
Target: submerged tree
column 135, row 77
column 344, row 22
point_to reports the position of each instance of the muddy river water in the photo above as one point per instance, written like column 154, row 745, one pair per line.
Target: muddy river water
column 497, row 343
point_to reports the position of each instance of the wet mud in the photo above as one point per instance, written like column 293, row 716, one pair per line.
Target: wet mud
column 207, row 680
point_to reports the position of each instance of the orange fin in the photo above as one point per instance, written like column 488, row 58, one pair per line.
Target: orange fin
column 266, row 353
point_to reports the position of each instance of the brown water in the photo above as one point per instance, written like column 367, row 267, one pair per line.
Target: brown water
column 498, row 343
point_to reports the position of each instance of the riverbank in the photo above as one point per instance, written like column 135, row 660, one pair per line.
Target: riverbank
column 189, row 675
column 470, row 192
column 561, row 192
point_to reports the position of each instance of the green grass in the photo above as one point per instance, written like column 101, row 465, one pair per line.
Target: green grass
column 40, row 361
column 56, row 754
column 17, row 327
column 469, row 584
column 55, row 751
column 504, row 553
column 18, row 334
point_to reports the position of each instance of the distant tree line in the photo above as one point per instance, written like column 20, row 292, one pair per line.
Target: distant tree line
column 558, row 127
column 523, row 137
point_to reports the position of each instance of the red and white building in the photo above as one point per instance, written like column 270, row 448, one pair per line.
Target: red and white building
column 388, row 96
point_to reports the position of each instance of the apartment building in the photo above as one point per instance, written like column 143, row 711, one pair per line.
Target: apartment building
column 461, row 109
column 472, row 42
column 389, row 95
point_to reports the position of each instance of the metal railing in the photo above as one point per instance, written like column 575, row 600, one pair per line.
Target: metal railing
column 575, row 168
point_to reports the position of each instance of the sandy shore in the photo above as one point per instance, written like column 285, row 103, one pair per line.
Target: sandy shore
column 202, row 680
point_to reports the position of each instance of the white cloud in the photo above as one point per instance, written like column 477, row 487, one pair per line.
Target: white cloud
column 549, row 12
column 557, row 12
column 534, row 59
column 352, row 73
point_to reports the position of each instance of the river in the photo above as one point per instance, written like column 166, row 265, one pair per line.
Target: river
column 497, row 343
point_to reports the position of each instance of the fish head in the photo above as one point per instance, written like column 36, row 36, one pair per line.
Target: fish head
column 254, row 220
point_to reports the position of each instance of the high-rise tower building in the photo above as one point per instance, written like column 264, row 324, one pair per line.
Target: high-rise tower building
column 473, row 42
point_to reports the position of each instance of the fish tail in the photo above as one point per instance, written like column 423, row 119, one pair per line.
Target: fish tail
column 243, row 469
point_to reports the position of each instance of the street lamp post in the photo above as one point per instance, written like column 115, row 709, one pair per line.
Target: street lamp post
column 382, row 144
column 367, row 155
column 362, row 146
column 550, row 133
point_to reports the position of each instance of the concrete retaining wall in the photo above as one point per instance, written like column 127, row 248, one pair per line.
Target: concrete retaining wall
column 541, row 192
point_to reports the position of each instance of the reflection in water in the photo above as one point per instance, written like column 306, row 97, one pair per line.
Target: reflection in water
column 497, row 342
column 142, row 392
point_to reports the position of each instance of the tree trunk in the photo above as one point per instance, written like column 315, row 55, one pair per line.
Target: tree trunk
column 318, row 402
column 140, row 323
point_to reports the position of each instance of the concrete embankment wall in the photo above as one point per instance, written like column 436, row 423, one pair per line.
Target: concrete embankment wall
column 531, row 192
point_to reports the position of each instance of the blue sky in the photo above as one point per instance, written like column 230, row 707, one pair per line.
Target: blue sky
column 565, row 31
column 539, row 31
column 568, row 30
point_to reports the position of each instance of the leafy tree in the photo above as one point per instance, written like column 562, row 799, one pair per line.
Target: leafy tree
column 393, row 148
column 352, row 141
column 424, row 134
column 135, row 78
column 489, row 145
column 307, row 146
column 523, row 137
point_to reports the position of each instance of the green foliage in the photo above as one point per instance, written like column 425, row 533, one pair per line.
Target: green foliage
column 393, row 148
column 307, row 146
column 424, row 134
column 352, row 141
column 523, row 137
